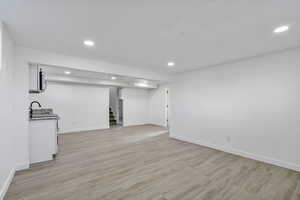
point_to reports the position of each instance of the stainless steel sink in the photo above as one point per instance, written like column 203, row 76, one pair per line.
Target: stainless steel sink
column 43, row 114
column 42, row 111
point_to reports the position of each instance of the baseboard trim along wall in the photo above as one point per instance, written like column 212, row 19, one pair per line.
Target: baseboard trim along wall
column 22, row 167
column 7, row 183
column 75, row 130
column 238, row 152
column 135, row 124
column 161, row 125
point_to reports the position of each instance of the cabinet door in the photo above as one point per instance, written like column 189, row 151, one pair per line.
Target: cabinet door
column 42, row 140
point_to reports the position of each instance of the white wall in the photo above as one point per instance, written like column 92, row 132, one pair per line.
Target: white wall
column 81, row 107
column 8, row 114
column 157, row 106
column 142, row 106
column 25, row 55
column 135, row 106
column 251, row 108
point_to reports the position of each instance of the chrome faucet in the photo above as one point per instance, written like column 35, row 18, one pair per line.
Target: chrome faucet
column 30, row 108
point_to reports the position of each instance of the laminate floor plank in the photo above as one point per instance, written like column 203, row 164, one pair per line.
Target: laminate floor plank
column 143, row 163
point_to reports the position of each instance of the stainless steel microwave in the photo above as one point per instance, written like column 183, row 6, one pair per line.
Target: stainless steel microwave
column 38, row 83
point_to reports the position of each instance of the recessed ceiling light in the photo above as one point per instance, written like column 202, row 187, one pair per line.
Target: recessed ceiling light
column 67, row 72
column 89, row 43
column 171, row 64
column 113, row 78
column 141, row 84
column 281, row 29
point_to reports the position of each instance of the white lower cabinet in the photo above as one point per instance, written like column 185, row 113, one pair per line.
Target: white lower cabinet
column 42, row 140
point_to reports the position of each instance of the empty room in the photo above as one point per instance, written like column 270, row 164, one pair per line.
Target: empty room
column 150, row 100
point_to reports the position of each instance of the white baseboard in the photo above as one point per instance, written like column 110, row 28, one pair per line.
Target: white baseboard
column 242, row 153
column 22, row 167
column 5, row 187
column 161, row 125
column 134, row 124
column 83, row 129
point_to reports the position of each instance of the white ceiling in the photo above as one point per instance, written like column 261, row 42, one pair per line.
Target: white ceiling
column 192, row 33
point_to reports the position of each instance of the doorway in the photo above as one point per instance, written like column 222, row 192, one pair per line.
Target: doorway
column 120, row 111
column 167, row 108
column 115, row 110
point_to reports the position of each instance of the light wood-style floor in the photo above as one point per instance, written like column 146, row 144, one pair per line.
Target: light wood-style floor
column 143, row 163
